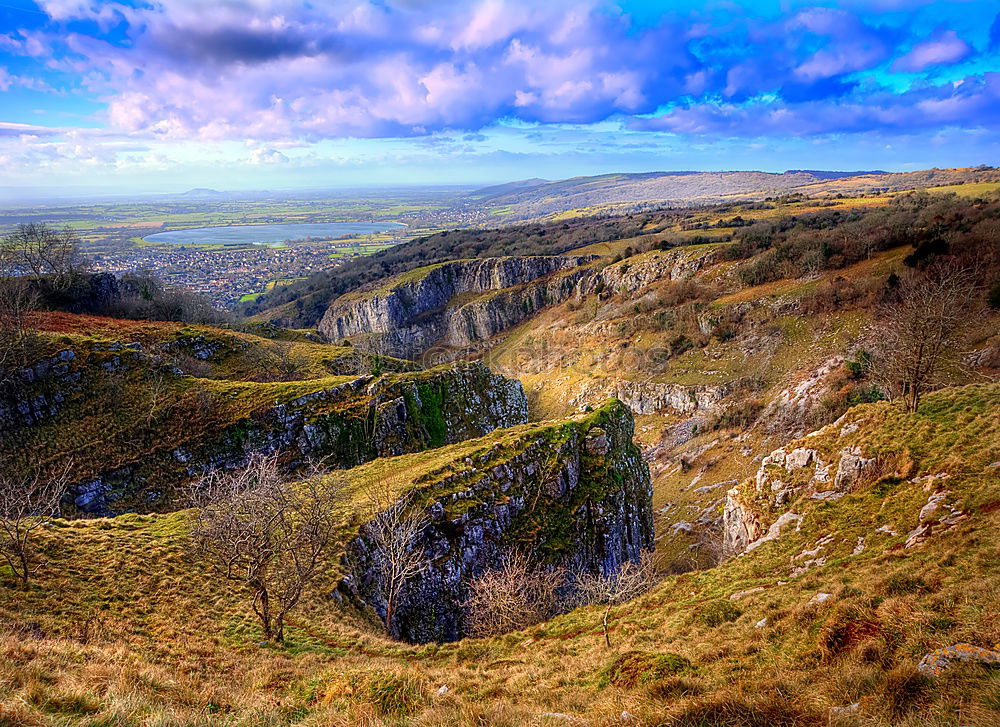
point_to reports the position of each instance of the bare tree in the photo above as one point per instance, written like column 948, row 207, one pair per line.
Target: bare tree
column 512, row 596
column 273, row 537
column 26, row 502
column 917, row 339
column 394, row 531
column 16, row 334
column 40, row 251
column 612, row 589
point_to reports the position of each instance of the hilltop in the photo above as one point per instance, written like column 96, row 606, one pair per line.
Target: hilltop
column 626, row 192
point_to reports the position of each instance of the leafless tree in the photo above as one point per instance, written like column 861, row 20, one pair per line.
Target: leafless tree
column 394, row 531
column 917, row 339
column 612, row 589
column 26, row 502
column 16, row 333
column 40, row 251
column 17, row 299
column 512, row 596
column 273, row 537
column 277, row 361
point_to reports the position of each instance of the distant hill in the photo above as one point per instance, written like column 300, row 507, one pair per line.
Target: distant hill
column 630, row 192
column 579, row 193
column 502, row 189
column 202, row 193
column 819, row 174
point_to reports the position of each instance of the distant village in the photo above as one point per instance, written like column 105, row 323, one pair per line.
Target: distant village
column 226, row 275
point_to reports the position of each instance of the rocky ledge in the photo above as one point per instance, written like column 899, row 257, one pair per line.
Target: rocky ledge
column 574, row 494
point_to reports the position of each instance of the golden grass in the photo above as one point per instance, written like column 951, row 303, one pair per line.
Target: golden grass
column 136, row 633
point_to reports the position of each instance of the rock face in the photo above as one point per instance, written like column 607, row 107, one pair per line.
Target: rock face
column 785, row 474
column 455, row 303
column 575, row 494
column 39, row 391
column 344, row 425
column 651, row 397
column 635, row 273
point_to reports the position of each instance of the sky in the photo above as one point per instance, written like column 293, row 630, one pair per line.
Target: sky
column 267, row 94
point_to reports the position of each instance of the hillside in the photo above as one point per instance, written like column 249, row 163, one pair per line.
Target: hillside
column 717, row 347
column 668, row 187
column 825, row 624
column 131, row 412
column 700, row 384
column 574, row 228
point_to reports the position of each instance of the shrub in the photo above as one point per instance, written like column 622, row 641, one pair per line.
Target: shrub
column 642, row 667
column 719, row 612
column 994, row 298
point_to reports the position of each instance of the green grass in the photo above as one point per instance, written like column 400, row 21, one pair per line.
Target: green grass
column 133, row 639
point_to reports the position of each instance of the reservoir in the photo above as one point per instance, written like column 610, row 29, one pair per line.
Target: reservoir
column 268, row 234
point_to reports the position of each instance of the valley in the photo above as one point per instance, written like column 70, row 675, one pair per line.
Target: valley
column 702, row 386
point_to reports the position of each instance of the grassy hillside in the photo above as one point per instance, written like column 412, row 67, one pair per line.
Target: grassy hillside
column 104, row 637
column 773, row 321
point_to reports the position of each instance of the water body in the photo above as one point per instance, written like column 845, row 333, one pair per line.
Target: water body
column 267, row 234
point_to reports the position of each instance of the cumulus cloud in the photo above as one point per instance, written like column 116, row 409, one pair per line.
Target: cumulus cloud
column 267, row 156
column 944, row 49
column 922, row 108
column 280, row 70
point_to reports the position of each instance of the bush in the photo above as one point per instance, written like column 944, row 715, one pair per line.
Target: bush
column 642, row 667
column 994, row 298
column 719, row 612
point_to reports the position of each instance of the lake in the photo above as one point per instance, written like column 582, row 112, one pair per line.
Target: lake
column 267, row 234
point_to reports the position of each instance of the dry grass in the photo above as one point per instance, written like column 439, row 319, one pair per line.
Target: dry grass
column 123, row 628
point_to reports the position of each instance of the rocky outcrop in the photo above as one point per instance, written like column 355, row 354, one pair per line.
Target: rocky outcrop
column 935, row 663
column 741, row 523
column 37, row 392
column 651, row 397
column 342, row 425
column 635, row 273
column 431, row 306
column 574, row 494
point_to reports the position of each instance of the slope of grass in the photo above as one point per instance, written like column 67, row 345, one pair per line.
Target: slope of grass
column 130, row 630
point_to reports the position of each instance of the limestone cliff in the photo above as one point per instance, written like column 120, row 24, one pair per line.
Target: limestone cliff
column 576, row 494
column 454, row 303
column 73, row 405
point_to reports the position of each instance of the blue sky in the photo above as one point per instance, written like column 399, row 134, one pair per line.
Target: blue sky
column 162, row 96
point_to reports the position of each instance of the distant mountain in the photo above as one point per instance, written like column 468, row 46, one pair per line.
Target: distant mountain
column 203, row 192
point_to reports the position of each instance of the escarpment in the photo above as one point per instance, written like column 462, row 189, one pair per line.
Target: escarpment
column 130, row 435
column 462, row 303
column 455, row 303
column 574, row 494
